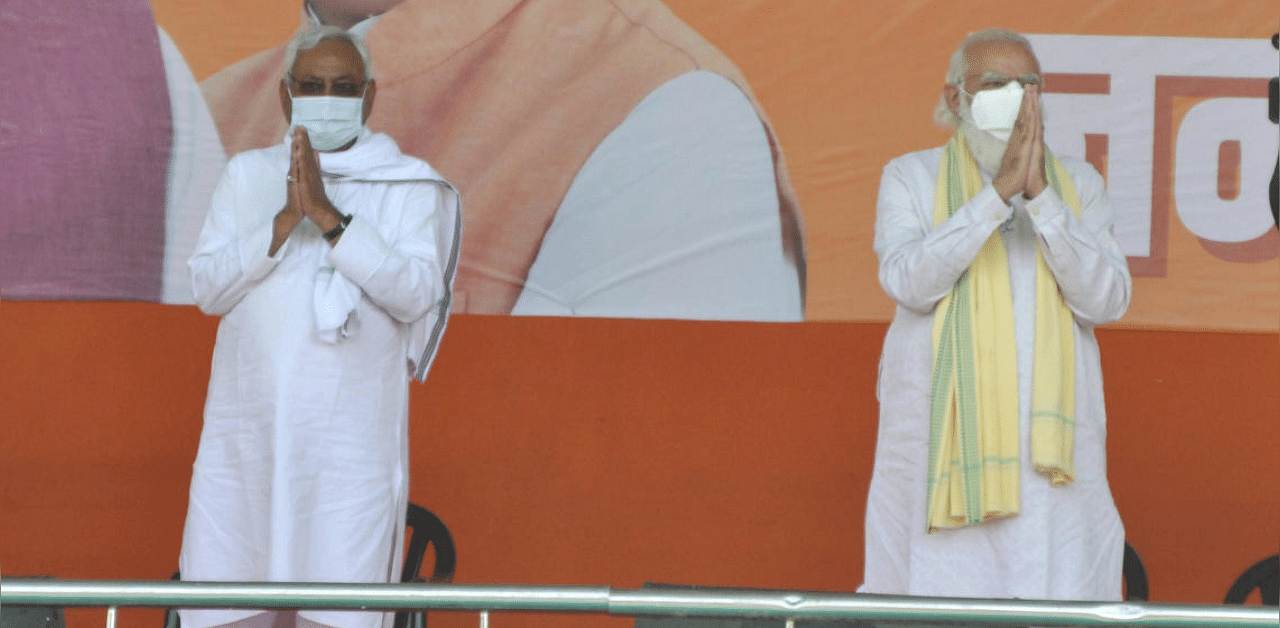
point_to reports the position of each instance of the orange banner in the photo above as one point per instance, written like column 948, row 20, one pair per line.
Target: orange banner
column 1167, row 99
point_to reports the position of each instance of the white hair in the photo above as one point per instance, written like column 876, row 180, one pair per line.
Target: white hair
column 309, row 37
column 942, row 114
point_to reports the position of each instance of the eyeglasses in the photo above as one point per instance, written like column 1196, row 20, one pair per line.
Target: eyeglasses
column 318, row 87
column 996, row 80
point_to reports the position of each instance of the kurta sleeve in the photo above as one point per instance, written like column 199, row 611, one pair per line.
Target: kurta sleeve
column 920, row 263
column 403, row 272
column 1081, row 251
column 674, row 215
column 230, row 257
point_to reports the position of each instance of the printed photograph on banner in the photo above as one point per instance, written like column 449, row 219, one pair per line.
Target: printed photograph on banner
column 605, row 170
column 612, row 162
column 626, row 159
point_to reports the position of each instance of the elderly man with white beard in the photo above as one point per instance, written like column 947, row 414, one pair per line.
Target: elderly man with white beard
column 990, row 468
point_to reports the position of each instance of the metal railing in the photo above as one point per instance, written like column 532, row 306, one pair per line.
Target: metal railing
column 790, row 606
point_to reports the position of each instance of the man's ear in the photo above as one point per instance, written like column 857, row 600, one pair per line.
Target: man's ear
column 286, row 103
column 369, row 93
column 952, row 94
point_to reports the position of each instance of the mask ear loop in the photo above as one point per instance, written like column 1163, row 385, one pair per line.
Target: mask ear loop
column 288, row 88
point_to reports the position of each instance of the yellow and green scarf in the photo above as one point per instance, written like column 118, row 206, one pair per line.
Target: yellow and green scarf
column 973, row 435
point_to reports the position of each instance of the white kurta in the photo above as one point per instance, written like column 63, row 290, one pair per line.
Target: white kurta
column 1067, row 543
column 302, row 468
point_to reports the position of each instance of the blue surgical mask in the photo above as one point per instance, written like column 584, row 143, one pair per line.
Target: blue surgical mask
column 331, row 121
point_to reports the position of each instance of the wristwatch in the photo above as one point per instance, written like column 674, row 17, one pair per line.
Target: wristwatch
column 333, row 233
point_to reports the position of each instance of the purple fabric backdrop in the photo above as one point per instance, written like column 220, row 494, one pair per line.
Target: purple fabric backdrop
column 85, row 128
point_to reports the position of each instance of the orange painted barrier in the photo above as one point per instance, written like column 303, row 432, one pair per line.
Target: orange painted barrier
column 575, row 451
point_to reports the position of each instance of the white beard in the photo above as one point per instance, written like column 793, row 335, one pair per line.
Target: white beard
column 987, row 149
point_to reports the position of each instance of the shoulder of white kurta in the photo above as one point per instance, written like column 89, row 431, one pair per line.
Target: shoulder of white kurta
column 920, row 157
column 259, row 158
column 689, row 163
column 1074, row 164
column 707, row 96
column 923, row 163
column 1081, row 170
column 420, row 168
column 1089, row 183
column 693, row 122
column 395, row 164
column 428, row 171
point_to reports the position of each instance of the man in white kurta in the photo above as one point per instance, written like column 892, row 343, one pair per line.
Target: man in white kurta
column 1066, row 542
column 329, row 307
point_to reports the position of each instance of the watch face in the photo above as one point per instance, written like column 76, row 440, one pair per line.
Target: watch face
column 337, row 231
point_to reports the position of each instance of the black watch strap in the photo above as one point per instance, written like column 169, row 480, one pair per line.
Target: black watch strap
column 333, row 233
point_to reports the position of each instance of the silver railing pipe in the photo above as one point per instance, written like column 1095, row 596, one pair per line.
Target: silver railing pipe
column 389, row 597
column 624, row 602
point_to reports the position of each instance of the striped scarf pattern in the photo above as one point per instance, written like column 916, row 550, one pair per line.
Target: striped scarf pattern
column 974, row 449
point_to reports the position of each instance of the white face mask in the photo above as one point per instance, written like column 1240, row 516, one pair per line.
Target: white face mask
column 995, row 110
column 331, row 121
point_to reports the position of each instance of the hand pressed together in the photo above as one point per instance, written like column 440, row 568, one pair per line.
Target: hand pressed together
column 1022, row 167
column 305, row 196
